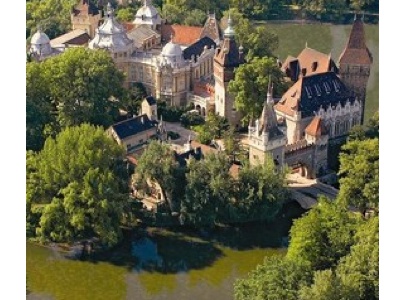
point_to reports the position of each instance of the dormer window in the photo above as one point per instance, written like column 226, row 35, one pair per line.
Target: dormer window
column 314, row 66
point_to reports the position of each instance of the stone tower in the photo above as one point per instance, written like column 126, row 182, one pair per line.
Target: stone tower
column 355, row 63
column 226, row 59
column 85, row 16
column 265, row 136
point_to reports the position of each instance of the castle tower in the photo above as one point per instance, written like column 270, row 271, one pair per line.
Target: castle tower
column 355, row 63
column 226, row 59
column 85, row 16
column 265, row 136
column 148, row 15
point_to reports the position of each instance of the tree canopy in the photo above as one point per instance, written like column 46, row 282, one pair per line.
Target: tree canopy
column 250, row 86
column 76, row 177
column 359, row 171
column 78, row 86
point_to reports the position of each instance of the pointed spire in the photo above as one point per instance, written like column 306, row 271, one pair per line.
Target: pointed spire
column 110, row 10
column 306, row 44
column 229, row 31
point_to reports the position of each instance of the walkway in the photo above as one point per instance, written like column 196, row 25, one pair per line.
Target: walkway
column 183, row 132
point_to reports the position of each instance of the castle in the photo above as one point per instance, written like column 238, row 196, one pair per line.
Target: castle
column 187, row 64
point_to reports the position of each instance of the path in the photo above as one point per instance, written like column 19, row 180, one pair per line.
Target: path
column 183, row 132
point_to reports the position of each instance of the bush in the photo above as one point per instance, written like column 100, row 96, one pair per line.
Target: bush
column 191, row 119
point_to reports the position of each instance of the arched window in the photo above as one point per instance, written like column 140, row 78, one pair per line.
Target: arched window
column 337, row 128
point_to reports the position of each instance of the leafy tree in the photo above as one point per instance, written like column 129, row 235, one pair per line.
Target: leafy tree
column 195, row 17
column 232, row 145
column 260, row 192
column 82, row 82
column 325, row 286
column 323, row 236
column 38, row 106
column 213, row 128
column 370, row 131
column 359, row 270
column 125, row 14
column 133, row 97
column 158, row 163
column 257, row 41
column 54, row 16
column 207, row 189
column 276, row 278
column 75, row 175
column 359, row 171
column 250, row 86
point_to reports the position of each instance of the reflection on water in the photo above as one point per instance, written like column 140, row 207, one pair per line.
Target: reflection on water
column 160, row 264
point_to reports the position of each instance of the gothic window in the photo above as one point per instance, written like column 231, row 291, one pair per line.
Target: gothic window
column 337, row 128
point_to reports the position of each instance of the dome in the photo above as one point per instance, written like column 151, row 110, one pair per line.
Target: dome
column 111, row 35
column 40, row 43
column 147, row 14
column 171, row 50
column 229, row 31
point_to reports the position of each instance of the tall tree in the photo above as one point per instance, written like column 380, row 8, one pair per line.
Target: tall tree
column 276, row 278
column 82, row 84
column 323, row 236
column 257, row 41
column 158, row 163
column 250, row 86
column 359, row 171
column 75, row 175
column 208, row 190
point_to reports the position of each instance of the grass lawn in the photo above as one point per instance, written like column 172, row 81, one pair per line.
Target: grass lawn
column 330, row 38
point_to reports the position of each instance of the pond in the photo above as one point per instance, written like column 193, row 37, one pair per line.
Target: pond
column 154, row 263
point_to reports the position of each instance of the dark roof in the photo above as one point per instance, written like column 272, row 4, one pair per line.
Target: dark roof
column 198, row 47
column 356, row 51
column 151, row 100
column 310, row 93
column 133, row 126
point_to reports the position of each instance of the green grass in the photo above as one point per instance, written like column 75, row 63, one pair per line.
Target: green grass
column 330, row 39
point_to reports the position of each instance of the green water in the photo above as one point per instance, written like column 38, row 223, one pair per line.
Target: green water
column 159, row 264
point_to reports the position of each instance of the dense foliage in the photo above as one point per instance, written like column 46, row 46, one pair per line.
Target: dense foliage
column 206, row 191
column 213, row 128
column 79, row 181
column 250, row 86
column 78, row 86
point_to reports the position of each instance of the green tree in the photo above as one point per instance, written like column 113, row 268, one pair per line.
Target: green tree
column 195, row 17
column 250, row 86
column 213, row 128
column 82, row 84
column 323, row 236
column 75, row 175
column 158, row 163
column 232, row 145
column 125, row 14
column 38, row 106
column 207, row 191
column 370, row 131
column 260, row 191
column 359, row 171
column 276, row 278
column 54, row 16
column 133, row 97
column 257, row 41
column 325, row 286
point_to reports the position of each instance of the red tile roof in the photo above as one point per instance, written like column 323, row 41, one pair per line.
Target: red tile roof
column 356, row 51
column 316, row 127
column 182, row 35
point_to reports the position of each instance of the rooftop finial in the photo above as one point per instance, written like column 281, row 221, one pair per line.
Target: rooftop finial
column 229, row 31
column 110, row 10
column 355, row 16
column 306, row 44
column 269, row 93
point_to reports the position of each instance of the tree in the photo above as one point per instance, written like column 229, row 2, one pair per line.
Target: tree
column 75, row 176
column 38, row 106
column 207, row 189
column 257, row 41
column 54, row 16
column 260, row 192
column 195, row 17
column 133, row 97
column 158, row 163
column 325, row 286
column 359, row 171
column 359, row 270
column 213, row 128
column 276, row 278
column 232, row 145
column 82, row 83
column 370, row 131
column 125, row 14
column 323, row 236
column 250, row 86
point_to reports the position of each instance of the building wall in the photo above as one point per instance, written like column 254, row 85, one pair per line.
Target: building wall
column 86, row 22
column 135, row 140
